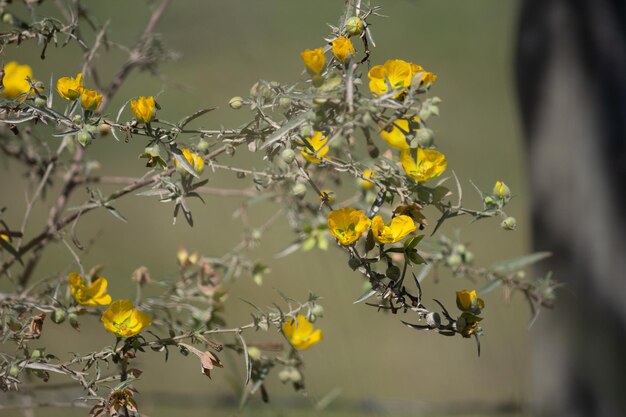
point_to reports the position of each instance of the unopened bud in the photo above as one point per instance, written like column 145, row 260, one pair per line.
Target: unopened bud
column 318, row 310
column 454, row 260
column 284, row 102
column 298, row 190
column 41, row 102
column 284, row 375
column 288, row 156
column 7, row 18
column 254, row 353
column 354, row 26
column 78, row 119
column 58, row 316
column 501, row 190
column 84, row 138
column 104, row 129
column 236, row 103
column 39, row 85
column 425, row 137
column 509, row 223
column 203, row 146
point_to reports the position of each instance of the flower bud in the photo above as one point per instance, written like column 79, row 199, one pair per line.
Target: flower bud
column 153, row 151
column 84, row 138
column 39, row 85
column 490, row 202
column 433, row 320
column 354, row 26
column 91, row 129
column 36, row 353
column 254, row 353
column 454, row 260
column 295, row 375
column 78, row 119
column 509, row 223
column 41, row 102
column 311, row 318
column 468, row 257
column 7, row 18
column 14, row 371
column 284, row 102
column 284, row 375
column 58, row 316
column 288, row 156
column 236, row 103
column 501, row 190
column 425, row 137
column 318, row 310
column 203, row 146
column 306, row 131
column 459, row 248
column 104, row 129
column 298, row 190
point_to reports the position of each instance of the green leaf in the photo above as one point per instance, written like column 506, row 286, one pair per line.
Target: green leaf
column 367, row 294
column 490, row 286
column 412, row 243
column 309, row 243
column 520, row 262
column 194, row 116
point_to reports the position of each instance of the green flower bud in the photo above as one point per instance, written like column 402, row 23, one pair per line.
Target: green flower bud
column 284, row 375
column 318, row 310
column 236, row 103
column 58, row 316
column 36, row 353
column 509, row 223
column 295, row 375
column 468, row 257
column 203, row 146
column 254, row 353
column 454, row 260
column 298, row 190
column 7, row 18
column 41, row 102
column 354, row 26
column 14, row 371
column 284, row 102
column 311, row 317
column 84, row 138
column 425, row 137
column 78, row 119
column 153, row 151
column 91, row 129
column 459, row 248
column 39, row 85
column 490, row 202
column 306, row 131
column 288, row 155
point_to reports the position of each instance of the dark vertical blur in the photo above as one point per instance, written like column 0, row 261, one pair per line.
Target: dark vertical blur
column 571, row 79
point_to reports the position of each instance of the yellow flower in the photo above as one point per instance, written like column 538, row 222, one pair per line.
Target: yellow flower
column 14, row 81
column 301, row 334
column 469, row 301
column 318, row 142
column 400, row 129
column 194, row 160
column 347, row 225
column 343, row 48
column 92, row 295
column 364, row 184
column 185, row 259
column 398, row 229
column 501, row 190
column 90, row 99
column 70, row 88
column 430, row 164
column 124, row 320
column 4, row 237
column 396, row 72
column 314, row 60
column 144, row 108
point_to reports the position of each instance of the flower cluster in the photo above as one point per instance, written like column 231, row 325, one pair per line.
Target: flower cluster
column 347, row 225
column 72, row 89
column 121, row 318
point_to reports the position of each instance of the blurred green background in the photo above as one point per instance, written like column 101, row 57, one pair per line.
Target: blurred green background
column 379, row 366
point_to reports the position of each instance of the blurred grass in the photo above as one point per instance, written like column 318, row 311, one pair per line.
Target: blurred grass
column 224, row 48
